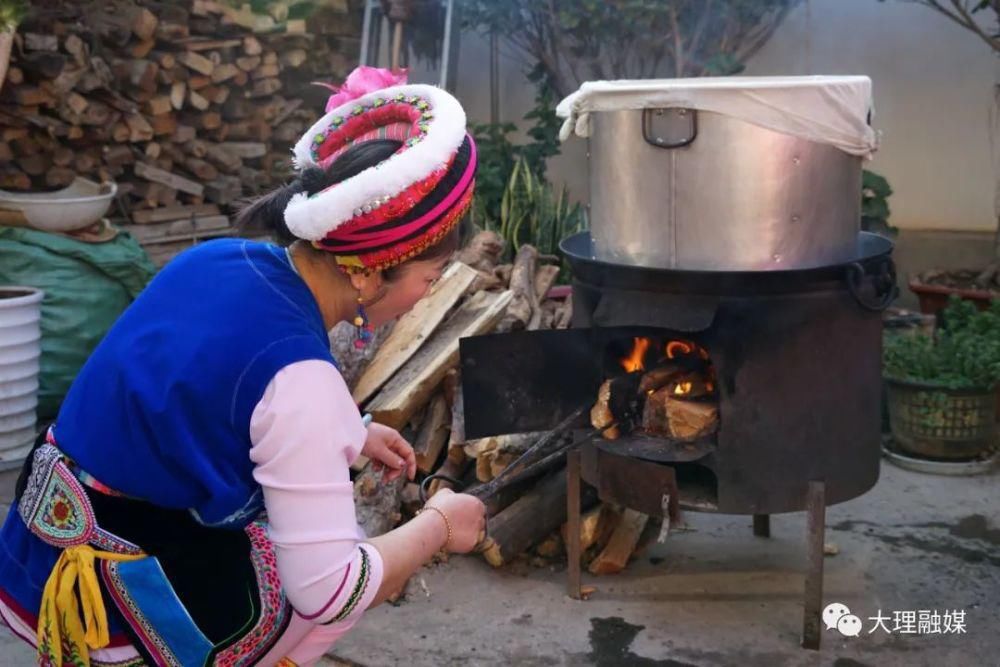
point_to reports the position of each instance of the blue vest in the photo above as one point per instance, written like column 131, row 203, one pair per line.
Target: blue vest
column 161, row 410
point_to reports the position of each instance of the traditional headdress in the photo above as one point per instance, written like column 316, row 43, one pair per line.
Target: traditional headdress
column 396, row 209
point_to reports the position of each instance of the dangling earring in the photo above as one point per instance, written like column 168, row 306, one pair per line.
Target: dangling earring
column 365, row 331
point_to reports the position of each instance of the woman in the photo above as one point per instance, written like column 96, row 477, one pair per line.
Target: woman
column 192, row 503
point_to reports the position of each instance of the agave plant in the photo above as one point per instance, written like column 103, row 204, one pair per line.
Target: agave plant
column 11, row 14
column 531, row 211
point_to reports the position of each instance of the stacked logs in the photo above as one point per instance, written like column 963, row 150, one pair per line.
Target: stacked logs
column 189, row 105
column 409, row 379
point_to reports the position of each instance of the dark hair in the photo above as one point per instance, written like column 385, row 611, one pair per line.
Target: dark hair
column 268, row 211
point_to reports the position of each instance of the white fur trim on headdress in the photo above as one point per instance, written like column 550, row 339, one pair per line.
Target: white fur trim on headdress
column 313, row 217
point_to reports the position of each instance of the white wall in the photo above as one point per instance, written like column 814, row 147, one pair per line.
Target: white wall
column 932, row 86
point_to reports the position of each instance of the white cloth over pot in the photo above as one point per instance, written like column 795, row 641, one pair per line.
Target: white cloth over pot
column 832, row 110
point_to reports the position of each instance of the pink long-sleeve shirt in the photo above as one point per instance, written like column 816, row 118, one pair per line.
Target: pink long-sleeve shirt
column 305, row 432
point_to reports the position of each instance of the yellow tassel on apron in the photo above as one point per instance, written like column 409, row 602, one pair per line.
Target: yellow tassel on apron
column 71, row 588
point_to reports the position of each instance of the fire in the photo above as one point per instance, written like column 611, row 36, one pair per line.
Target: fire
column 634, row 361
column 680, row 348
column 676, row 348
column 682, row 388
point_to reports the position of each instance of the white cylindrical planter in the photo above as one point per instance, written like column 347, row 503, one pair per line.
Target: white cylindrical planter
column 20, row 349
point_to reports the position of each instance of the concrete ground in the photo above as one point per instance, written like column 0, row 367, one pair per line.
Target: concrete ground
column 717, row 595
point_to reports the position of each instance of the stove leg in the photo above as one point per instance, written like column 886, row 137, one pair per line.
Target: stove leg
column 573, row 545
column 815, row 532
column 762, row 525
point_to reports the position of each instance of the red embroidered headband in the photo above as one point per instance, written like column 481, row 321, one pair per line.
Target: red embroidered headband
column 396, row 209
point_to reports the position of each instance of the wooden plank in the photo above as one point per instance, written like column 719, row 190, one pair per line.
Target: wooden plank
column 172, row 213
column 191, row 227
column 246, row 150
column 413, row 329
column 410, row 388
column 151, row 173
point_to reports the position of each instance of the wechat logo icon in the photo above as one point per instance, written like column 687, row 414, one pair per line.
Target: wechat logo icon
column 837, row 616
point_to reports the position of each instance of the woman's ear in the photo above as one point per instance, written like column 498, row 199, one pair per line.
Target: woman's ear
column 368, row 284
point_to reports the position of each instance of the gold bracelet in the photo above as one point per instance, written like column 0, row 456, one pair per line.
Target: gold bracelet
column 447, row 523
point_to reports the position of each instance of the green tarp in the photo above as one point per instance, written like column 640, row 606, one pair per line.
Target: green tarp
column 87, row 286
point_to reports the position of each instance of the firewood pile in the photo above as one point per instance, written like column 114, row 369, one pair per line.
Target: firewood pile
column 409, row 379
column 188, row 105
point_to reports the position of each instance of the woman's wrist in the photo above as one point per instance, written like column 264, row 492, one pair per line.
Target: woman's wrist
column 442, row 526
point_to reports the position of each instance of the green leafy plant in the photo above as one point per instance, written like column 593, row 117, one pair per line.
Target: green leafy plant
column 498, row 155
column 12, row 12
column 964, row 354
column 533, row 212
column 875, row 192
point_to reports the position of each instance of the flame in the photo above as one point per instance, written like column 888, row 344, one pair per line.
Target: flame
column 682, row 388
column 676, row 348
column 634, row 361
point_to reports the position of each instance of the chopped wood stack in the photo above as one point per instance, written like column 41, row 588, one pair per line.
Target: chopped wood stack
column 188, row 105
column 411, row 380
column 412, row 383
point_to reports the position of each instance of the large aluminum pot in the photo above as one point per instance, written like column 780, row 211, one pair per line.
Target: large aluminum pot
column 686, row 189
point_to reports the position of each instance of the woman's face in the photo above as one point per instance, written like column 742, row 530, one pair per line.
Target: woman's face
column 412, row 283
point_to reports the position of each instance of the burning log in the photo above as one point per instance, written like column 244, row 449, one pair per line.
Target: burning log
column 690, row 420
column 600, row 414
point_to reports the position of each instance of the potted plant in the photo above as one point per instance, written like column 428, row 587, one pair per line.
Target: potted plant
column 942, row 389
column 11, row 14
column 979, row 285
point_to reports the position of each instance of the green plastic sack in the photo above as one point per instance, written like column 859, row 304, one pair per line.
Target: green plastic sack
column 87, row 286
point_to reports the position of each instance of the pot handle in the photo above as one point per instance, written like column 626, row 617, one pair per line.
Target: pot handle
column 884, row 282
column 669, row 128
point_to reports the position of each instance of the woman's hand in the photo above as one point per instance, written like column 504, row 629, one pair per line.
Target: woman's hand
column 467, row 516
column 386, row 447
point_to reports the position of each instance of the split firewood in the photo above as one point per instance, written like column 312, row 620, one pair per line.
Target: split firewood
column 529, row 519
column 483, row 251
column 503, row 273
column 616, row 554
column 690, row 420
column 413, row 329
column 523, row 312
column 590, row 527
column 545, row 278
column 456, row 462
column 600, row 415
column 433, row 434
